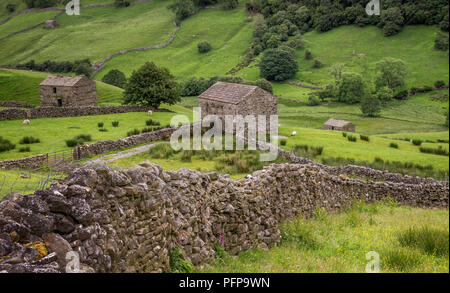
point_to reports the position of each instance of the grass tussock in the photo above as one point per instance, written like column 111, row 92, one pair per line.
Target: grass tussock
column 429, row 240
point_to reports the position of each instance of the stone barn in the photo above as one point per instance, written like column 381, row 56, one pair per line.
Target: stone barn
column 342, row 125
column 68, row 91
column 237, row 99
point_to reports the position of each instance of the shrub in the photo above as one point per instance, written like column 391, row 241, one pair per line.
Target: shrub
column 317, row 63
column 344, row 134
column 151, row 122
column 121, row 3
column 429, row 240
column 364, row 137
column 385, row 94
column 177, row 262
column 417, row 142
column 116, row 78
column 29, row 140
column 308, row 54
column 100, row 124
column 283, row 142
column 439, row 84
column 186, row 156
column 313, row 100
column 146, row 130
column 370, row 106
column 204, row 47
column 133, row 132
column 316, row 151
column 352, row 138
column 439, row 151
column 83, row 137
column 441, row 41
column 24, row 149
column 162, row 151
column 401, row 95
column 299, row 232
column 393, row 145
column 78, row 140
column 115, row 124
column 194, row 86
column 278, row 65
column 400, row 259
column 71, row 142
column 11, row 7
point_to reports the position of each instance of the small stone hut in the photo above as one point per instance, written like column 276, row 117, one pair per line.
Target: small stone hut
column 68, row 91
column 51, row 23
column 342, row 125
column 238, row 99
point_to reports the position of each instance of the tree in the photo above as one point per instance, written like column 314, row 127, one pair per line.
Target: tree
column 370, row 106
column 351, row 88
column 151, row 85
column 116, row 78
column 182, row 8
column 278, row 65
column 83, row 69
column 441, row 41
column 337, row 70
column 204, row 47
column 385, row 94
column 391, row 73
column 392, row 20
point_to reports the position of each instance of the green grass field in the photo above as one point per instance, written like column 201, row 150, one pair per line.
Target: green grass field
column 335, row 145
column 145, row 24
column 53, row 132
column 361, row 48
column 21, row 85
column 339, row 242
column 417, row 114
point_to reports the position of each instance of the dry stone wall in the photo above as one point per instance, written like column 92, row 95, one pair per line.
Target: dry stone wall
column 129, row 221
column 27, row 163
column 53, row 112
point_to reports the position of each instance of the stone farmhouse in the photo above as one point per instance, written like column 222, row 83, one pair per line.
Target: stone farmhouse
column 237, row 99
column 341, row 125
column 68, row 91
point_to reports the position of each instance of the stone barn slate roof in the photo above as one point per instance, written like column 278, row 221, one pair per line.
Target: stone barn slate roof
column 231, row 93
column 57, row 80
column 337, row 123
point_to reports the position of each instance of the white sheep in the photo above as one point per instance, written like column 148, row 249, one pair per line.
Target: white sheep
column 294, row 133
column 26, row 122
column 150, row 113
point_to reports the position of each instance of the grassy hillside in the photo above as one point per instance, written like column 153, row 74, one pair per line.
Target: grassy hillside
column 20, row 22
column 95, row 34
column 21, row 85
column 360, row 48
column 227, row 32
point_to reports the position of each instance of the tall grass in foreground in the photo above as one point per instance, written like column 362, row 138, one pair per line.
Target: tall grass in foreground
column 430, row 240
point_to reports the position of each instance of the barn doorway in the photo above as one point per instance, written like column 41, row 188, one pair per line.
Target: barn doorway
column 59, row 102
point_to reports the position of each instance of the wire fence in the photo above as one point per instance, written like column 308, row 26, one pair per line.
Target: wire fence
column 29, row 181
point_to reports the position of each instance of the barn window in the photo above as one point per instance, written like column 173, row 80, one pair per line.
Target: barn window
column 54, row 90
column 59, row 102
